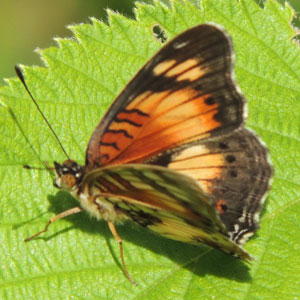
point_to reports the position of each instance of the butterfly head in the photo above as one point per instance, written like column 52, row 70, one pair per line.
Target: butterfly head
column 68, row 175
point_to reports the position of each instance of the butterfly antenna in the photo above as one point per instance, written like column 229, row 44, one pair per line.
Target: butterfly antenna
column 21, row 77
column 48, row 167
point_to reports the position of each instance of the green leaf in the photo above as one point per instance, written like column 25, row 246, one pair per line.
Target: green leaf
column 77, row 258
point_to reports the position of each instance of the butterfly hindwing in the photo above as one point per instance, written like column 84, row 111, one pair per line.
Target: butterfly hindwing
column 161, row 200
column 184, row 93
column 233, row 169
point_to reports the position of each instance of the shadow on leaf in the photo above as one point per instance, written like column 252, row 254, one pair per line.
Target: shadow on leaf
column 200, row 260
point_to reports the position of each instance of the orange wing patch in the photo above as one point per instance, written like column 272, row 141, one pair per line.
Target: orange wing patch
column 127, row 124
column 122, row 131
column 188, row 70
column 163, row 66
column 178, row 107
column 220, row 206
column 148, row 101
column 182, row 67
column 193, row 74
column 197, row 162
column 140, row 149
column 174, row 118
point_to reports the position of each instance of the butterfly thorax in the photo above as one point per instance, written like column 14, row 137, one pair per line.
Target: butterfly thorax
column 68, row 175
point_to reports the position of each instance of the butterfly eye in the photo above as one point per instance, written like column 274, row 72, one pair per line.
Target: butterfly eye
column 65, row 170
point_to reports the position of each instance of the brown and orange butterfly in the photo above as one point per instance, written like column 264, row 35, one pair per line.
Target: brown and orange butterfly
column 172, row 153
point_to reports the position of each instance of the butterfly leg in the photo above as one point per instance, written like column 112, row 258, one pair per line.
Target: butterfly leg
column 117, row 237
column 66, row 213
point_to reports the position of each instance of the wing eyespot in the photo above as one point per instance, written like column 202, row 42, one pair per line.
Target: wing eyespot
column 223, row 145
column 230, row 158
column 210, row 101
column 233, row 173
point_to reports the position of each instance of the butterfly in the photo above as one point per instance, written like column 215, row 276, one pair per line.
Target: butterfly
column 172, row 154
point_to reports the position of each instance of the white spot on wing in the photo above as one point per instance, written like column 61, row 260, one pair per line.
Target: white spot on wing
column 180, row 45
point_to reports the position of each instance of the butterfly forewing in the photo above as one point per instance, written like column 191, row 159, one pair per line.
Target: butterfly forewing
column 160, row 199
column 184, row 93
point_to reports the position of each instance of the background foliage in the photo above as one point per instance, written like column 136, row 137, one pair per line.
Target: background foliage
column 27, row 24
column 77, row 258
